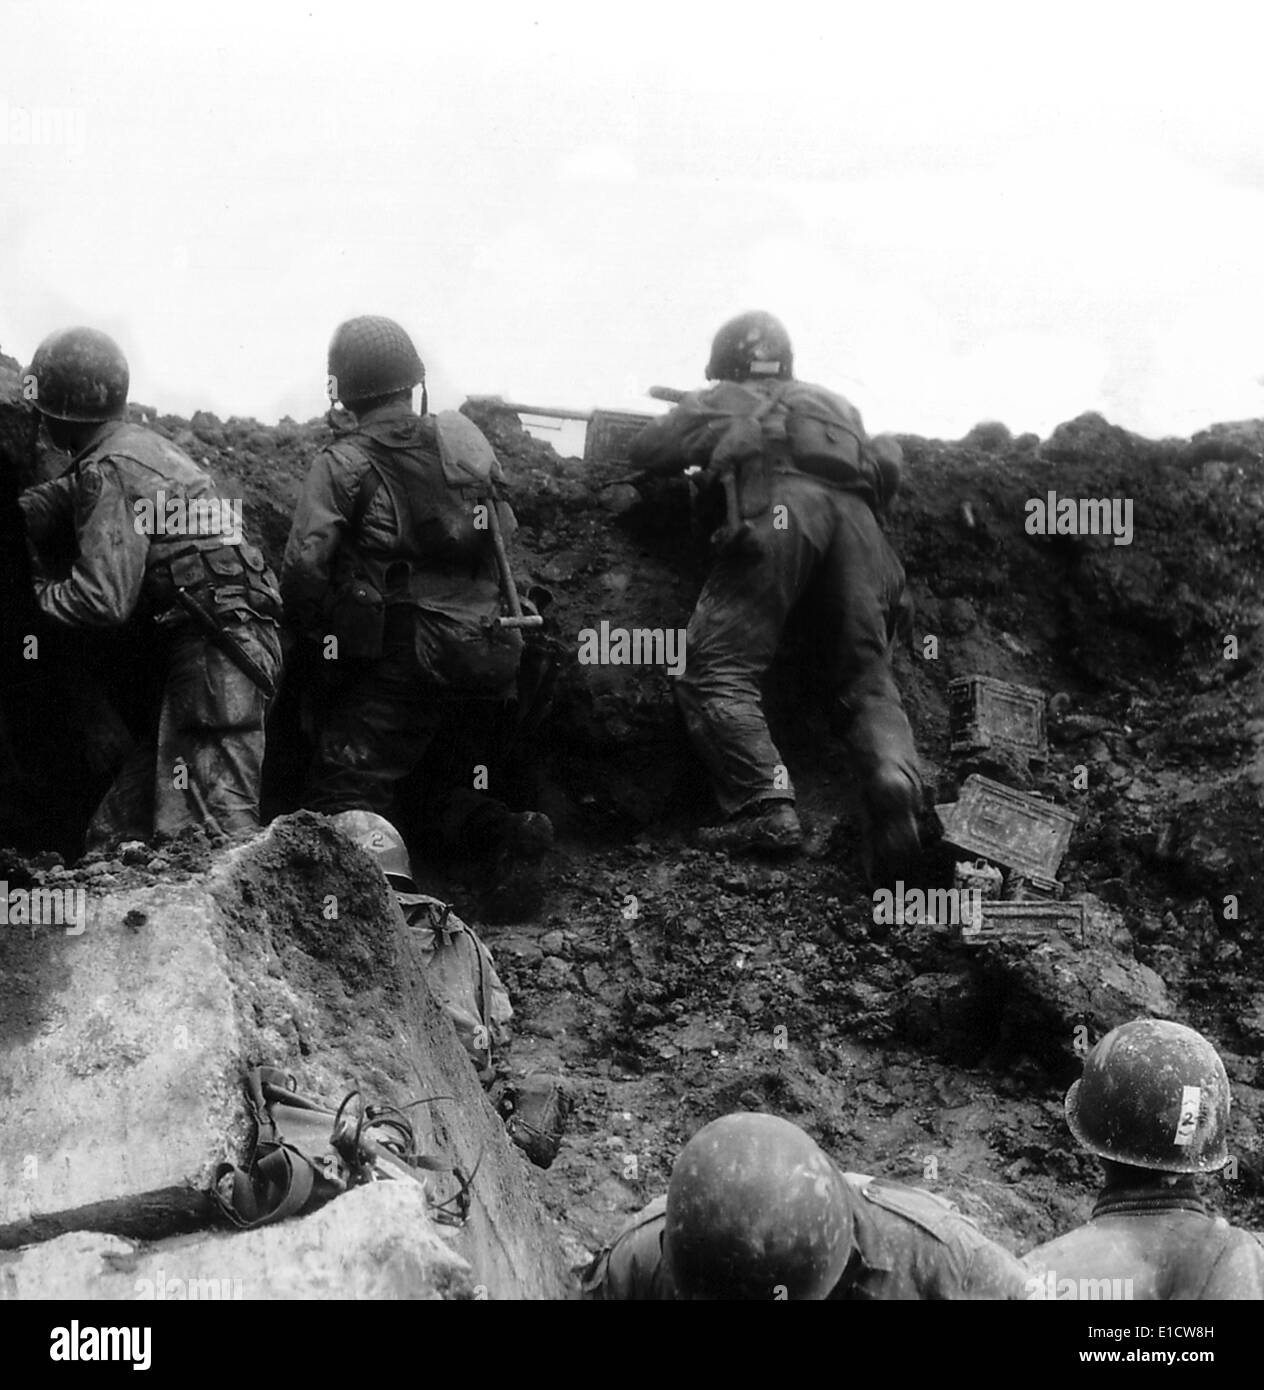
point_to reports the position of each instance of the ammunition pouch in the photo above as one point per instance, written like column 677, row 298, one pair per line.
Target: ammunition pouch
column 226, row 578
column 356, row 619
column 824, row 447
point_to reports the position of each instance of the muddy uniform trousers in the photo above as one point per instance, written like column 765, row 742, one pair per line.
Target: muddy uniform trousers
column 832, row 553
column 381, row 716
column 206, row 762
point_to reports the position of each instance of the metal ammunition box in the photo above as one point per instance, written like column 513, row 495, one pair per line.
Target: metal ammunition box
column 1021, row 832
column 1010, row 921
column 610, row 434
column 987, row 713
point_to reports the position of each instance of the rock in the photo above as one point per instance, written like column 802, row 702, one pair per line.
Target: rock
column 620, row 498
column 1251, row 1022
column 376, row 1242
column 1088, row 438
column 959, row 616
column 1043, row 991
column 553, row 974
column 120, row 1057
column 989, row 437
column 123, row 1052
column 208, row 429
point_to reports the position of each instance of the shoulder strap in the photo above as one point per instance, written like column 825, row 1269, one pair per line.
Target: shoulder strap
column 278, row 1180
column 365, row 1143
column 370, row 480
column 935, row 1215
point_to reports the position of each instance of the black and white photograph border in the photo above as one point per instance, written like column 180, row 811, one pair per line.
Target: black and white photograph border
column 629, row 658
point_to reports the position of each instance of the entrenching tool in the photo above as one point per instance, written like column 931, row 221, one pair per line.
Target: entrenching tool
column 466, row 454
column 216, row 635
column 508, row 584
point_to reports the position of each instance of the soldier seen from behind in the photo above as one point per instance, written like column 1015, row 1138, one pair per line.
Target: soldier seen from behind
column 1153, row 1106
column 756, row 1210
column 134, row 538
column 802, row 484
column 392, row 585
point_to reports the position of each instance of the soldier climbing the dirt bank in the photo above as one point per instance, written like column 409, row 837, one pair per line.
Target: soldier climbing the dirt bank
column 1153, row 1105
column 802, row 483
column 756, row 1210
column 155, row 548
column 392, row 583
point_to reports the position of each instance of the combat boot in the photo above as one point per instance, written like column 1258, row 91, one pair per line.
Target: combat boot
column 768, row 827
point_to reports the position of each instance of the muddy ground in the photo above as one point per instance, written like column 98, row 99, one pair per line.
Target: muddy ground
column 670, row 985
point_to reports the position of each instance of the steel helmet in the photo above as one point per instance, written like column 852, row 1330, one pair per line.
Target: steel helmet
column 372, row 356
column 378, row 837
column 1153, row 1095
column 755, row 1210
column 752, row 345
column 79, row 374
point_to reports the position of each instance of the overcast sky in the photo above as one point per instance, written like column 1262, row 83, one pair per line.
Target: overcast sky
column 960, row 211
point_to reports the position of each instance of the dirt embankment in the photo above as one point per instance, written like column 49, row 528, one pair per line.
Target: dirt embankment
column 672, row 985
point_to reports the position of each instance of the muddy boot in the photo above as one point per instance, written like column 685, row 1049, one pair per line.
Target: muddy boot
column 535, row 1110
column 892, row 849
column 769, row 827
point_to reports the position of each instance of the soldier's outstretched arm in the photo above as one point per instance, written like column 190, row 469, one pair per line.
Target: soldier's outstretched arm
column 683, row 438
column 104, row 583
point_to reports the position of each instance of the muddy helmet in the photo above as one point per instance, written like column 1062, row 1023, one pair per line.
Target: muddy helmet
column 79, row 374
column 1153, row 1095
column 372, row 356
column 378, row 837
column 752, row 345
column 755, row 1210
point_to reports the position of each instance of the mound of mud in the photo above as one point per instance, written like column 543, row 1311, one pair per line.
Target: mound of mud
column 672, row 985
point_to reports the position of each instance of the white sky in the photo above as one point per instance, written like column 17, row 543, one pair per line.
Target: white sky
column 961, row 211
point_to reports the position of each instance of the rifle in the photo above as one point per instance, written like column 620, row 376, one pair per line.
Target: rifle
column 216, row 635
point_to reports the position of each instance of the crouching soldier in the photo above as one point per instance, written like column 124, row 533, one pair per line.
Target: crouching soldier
column 392, row 584
column 802, row 484
column 756, row 1210
column 1153, row 1105
column 155, row 546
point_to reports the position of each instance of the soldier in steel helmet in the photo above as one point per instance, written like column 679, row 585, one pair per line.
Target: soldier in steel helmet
column 154, row 548
column 390, row 580
column 756, row 1210
column 1153, row 1106
column 803, row 485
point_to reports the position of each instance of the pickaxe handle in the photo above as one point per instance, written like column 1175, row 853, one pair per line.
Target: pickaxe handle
column 508, row 583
